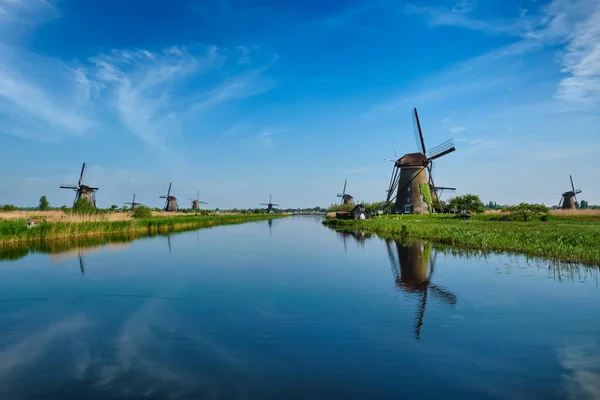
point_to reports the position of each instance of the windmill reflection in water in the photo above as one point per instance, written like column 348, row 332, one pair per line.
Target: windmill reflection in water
column 413, row 266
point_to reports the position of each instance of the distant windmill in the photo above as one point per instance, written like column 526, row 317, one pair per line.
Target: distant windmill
column 83, row 191
column 269, row 205
column 346, row 198
column 171, row 201
column 410, row 270
column 133, row 204
column 568, row 201
column 196, row 203
column 413, row 170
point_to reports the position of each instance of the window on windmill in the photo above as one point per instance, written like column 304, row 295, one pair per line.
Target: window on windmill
column 408, row 199
column 408, row 189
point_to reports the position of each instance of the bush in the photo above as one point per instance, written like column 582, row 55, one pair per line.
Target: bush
column 467, row 203
column 8, row 207
column 547, row 217
column 141, row 212
column 83, row 206
column 526, row 210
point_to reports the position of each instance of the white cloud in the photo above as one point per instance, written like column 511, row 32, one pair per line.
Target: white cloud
column 456, row 129
column 37, row 106
column 19, row 16
column 582, row 61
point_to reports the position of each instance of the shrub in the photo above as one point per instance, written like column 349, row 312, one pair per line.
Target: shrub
column 469, row 203
column 547, row 217
column 526, row 210
column 141, row 212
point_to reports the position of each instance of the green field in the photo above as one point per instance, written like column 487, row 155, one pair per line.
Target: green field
column 12, row 231
column 560, row 239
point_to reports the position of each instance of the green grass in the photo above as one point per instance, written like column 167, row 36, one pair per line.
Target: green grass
column 562, row 239
column 12, row 231
column 16, row 250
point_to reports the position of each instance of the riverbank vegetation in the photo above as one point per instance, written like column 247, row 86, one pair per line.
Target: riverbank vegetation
column 572, row 237
column 75, row 225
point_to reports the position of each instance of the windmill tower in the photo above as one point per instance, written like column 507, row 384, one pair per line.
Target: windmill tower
column 346, row 198
column 269, row 205
column 83, row 191
column 170, row 202
column 412, row 181
column 568, row 201
column 133, row 204
column 413, row 270
column 196, row 202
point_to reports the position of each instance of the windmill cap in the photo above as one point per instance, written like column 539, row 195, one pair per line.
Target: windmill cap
column 413, row 159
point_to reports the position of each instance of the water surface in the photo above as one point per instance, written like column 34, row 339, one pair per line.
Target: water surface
column 291, row 309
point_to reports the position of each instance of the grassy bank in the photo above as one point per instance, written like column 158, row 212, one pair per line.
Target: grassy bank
column 569, row 240
column 12, row 231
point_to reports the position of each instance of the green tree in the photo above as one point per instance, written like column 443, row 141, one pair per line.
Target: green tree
column 44, row 203
column 583, row 204
column 469, row 203
column 526, row 210
column 114, row 207
column 83, row 206
column 141, row 212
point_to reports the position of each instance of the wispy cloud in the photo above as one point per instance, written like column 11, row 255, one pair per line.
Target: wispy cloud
column 581, row 61
column 266, row 135
column 145, row 87
column 456, row 129
column 459, row 15
column 36, row 106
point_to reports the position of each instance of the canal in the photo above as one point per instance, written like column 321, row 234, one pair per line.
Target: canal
column 289, row 309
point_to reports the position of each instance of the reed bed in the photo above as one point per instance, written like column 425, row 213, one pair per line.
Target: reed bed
column 559, row 240
column 17, row 230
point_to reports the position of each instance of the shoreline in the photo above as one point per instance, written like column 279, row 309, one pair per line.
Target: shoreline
column 564, row 241
column 14, row 232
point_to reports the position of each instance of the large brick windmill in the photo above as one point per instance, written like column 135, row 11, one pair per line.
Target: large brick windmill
column 83, row 191
column 411, row 188
column 170, row 201
column 568, row 200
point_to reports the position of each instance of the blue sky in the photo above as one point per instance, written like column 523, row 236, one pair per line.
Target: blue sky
column 241, row 99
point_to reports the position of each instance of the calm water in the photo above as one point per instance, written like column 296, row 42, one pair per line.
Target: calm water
column 294, row 310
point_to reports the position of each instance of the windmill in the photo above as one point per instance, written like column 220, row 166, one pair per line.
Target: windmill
column 83, row 191
column 412, row 171
column 133, row 203
column 171, row 201
column 413, row 271
column 346, row 198
column 568, row 200
column 269, row 205
column 196, row 203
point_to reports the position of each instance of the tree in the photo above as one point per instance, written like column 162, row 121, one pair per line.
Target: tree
column 583, row 204
column 44, row 203
column 468, row 203
column 83, row 206
column 526, row 210
column 114, row 207
column 141, row 212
